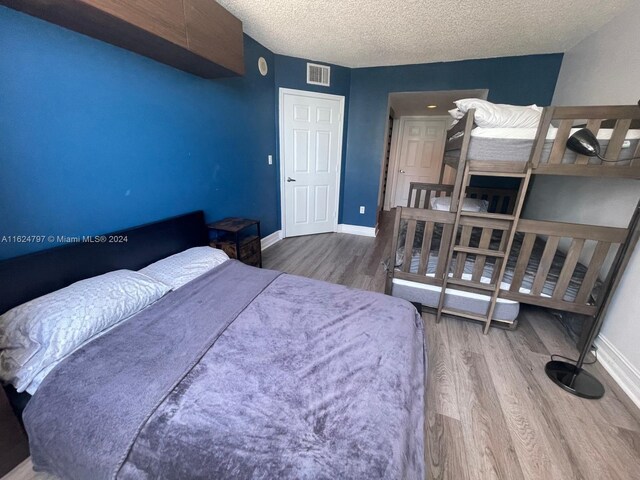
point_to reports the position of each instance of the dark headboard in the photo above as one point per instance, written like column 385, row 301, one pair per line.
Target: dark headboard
column 30, row 276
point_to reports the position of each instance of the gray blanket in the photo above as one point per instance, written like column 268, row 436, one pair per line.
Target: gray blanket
column 241, row 374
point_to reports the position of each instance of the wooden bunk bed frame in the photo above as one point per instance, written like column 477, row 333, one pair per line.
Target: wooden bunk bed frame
column 505, row 217
column 459, row 136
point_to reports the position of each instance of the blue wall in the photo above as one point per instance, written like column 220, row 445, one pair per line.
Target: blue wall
column 94, row 138
column 517, row 80
column 291, row 72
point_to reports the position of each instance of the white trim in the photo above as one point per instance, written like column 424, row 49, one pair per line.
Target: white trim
column 620, row 369
column 303, row 93
column 391, row 167
column 385, row 150
column 269, row 240
column 357, row 230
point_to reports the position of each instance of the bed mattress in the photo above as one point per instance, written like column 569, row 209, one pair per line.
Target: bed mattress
column 241, row 373
column 515, row 144
column 506, row 310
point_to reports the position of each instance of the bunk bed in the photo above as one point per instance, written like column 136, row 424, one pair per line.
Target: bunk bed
column 481, row 264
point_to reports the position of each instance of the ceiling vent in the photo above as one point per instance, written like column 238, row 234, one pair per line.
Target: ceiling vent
column 318, row 74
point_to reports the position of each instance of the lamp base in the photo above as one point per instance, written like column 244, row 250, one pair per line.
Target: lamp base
column 574, row 380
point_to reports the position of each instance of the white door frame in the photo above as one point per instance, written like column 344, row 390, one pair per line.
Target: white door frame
column 394, row 160
column 304, row 93
column 392, row 166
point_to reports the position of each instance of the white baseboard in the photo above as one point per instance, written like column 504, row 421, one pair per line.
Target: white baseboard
column 272, row 239
column 357, row 230
column 620, row 369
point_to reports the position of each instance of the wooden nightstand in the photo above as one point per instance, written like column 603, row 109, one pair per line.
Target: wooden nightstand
column 239, row 238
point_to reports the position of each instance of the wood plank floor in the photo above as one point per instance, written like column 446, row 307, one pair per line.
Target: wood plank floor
column 491, row 411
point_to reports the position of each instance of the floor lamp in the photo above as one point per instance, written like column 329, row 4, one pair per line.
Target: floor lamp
column 573, row 378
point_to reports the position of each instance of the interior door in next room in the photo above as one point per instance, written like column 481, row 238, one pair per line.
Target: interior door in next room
column 419, row 152
column 311, row 148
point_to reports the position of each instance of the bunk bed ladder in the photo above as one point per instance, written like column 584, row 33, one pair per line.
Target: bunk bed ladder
column 505, row 222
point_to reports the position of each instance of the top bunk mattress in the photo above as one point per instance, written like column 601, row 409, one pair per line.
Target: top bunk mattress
column 515, row 145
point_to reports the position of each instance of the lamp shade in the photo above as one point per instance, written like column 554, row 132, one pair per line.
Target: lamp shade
column 584, row 142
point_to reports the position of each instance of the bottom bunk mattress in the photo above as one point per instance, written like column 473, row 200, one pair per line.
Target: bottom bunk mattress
column 505, row 311
column 241, row 373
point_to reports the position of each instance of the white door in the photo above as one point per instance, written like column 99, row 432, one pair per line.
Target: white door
column 419, row 152
column 310, row 151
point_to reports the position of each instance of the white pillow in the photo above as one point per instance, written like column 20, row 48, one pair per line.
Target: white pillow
column 42, row 331
column 456, row 114
column 183, row 267
column 468, row 204
column 494, row 115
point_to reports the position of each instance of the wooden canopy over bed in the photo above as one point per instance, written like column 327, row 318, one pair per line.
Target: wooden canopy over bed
column 585, row 246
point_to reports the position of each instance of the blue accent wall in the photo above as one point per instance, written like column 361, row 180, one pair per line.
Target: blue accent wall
column 291, row 72
column 517, row 80
column 94, row 138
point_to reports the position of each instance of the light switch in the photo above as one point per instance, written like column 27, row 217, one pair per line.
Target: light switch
column 270, row 159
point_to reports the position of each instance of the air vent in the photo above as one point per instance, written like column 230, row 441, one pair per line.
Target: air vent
column 318, row 74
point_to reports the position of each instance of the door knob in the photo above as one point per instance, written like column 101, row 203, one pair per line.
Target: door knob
column 402, row 171
column 289, row 179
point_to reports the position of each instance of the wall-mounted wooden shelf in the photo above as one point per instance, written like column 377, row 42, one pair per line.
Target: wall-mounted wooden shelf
column 197, row 36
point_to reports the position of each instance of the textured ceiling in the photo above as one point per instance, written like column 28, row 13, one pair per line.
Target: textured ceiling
column 361, row 33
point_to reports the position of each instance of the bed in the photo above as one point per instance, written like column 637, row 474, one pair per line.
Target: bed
column 506, row 311
column 515, row 145
column 237, row 373
column 543, row 147
column 508, row 259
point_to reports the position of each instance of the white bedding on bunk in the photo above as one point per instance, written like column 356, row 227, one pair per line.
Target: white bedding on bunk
column 530, row 133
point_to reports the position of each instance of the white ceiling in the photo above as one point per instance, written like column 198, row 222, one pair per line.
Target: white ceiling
column 361, row 33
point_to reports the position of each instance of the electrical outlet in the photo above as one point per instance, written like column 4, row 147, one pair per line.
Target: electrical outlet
column 270, row 159
column 362, row 209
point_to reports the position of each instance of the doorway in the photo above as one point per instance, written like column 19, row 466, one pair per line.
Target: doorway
column 311, row 126
column 414, row 147
column 418, row 155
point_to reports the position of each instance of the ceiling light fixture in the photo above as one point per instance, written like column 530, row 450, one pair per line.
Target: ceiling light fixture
column 432, row 106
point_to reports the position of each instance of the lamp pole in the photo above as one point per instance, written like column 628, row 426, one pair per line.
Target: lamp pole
column 573, row 378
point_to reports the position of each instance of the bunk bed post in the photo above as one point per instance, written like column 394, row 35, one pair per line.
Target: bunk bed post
column 541, row 136
column 455, row 196
column 457, row 189
column 441, row 176
column 394, row 247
